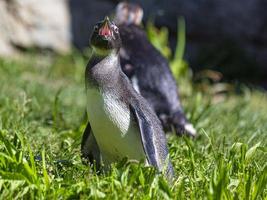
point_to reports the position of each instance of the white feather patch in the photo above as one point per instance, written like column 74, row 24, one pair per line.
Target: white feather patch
column 118, row 112
column 110, row 120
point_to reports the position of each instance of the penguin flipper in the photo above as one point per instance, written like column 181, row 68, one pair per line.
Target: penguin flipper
column 89, row 147
column 146, row 135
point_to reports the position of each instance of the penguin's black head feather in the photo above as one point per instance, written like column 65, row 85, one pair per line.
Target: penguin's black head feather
column 105, row 36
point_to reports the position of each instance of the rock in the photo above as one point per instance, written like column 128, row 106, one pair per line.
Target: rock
column 30, row 23
column 229, row 36
column 220, row 34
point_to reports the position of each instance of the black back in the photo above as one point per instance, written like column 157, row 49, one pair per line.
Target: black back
column 140, row 59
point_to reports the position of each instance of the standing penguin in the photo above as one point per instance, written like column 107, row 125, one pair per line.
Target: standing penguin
column 121, row 122
column 149, row 70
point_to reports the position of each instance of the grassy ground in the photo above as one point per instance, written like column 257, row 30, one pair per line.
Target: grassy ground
column 42, row 117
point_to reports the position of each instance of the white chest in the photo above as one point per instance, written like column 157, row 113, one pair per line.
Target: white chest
column 112, row 124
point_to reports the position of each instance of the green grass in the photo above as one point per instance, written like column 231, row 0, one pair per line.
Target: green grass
column 42, row 117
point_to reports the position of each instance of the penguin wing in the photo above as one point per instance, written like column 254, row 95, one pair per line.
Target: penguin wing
column 146, row 132
column 89, row 147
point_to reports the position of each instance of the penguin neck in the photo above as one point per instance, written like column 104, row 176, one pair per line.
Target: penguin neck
column 106, row 62
column 103, row 52
column 106, row 68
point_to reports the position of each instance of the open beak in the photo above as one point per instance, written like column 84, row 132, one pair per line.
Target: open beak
column 105, row 29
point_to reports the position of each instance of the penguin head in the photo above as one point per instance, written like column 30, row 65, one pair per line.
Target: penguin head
column 128, row 13
column 105, row 37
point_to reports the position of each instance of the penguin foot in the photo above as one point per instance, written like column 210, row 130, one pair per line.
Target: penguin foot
column 178, row 123
column 185, row 129
column 182, row 126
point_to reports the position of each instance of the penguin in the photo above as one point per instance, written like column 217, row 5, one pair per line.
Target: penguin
column 120, row 121
column 149, row 71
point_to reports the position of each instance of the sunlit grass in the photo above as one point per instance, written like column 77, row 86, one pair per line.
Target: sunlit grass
column 42, row 117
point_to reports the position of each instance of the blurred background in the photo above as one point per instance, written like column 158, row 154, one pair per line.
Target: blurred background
column 217, row 51
column 227, row 37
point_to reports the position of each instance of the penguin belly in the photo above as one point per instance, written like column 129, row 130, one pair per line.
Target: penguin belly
column 113, row 126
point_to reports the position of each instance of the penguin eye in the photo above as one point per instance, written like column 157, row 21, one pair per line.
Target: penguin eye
column 116, row 29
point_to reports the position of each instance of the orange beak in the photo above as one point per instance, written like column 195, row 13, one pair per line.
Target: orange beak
column 105, row 29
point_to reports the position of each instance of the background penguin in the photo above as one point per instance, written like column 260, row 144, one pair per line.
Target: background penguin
column 149, row 70
column 121, row 122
